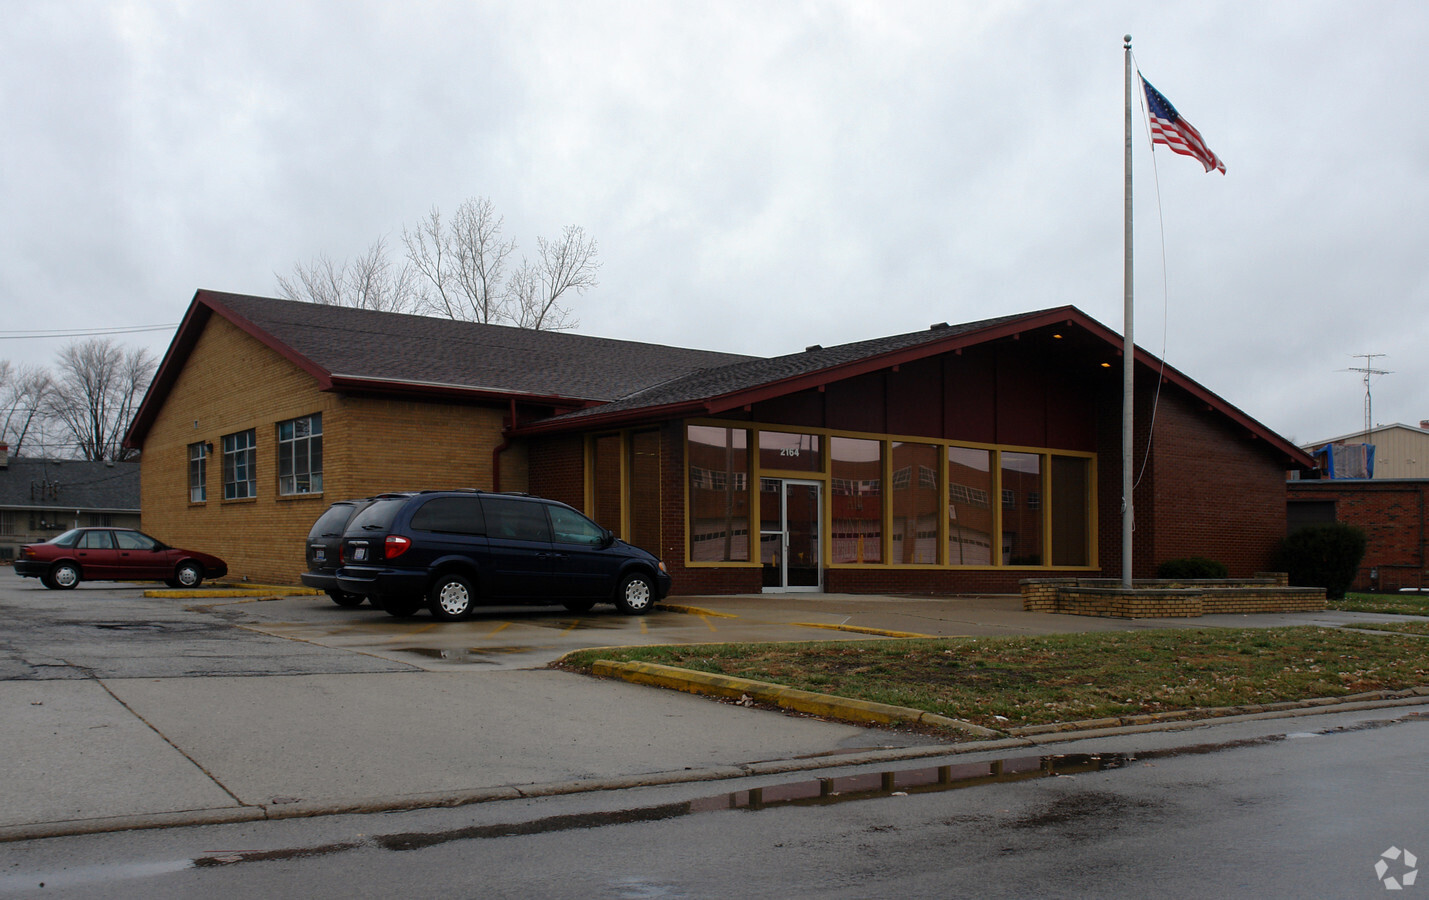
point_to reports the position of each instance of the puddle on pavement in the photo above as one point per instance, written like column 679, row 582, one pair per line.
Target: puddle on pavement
column 464, row 655
column 814, row 792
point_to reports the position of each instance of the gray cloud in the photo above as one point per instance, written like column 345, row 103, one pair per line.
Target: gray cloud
column 759, row 176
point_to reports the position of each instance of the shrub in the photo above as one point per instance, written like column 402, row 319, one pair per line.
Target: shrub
column 1326, row 556
column 1191, row 567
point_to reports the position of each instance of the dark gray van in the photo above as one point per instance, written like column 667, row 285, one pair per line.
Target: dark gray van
column 324, row 546
column 453, row 550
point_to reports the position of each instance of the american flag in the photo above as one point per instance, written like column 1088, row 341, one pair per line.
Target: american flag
column 1167, row 127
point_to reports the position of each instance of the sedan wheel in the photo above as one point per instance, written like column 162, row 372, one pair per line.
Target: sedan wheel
column 64, row 576
column 189, row 575
column 451, row 598
column 636, row 595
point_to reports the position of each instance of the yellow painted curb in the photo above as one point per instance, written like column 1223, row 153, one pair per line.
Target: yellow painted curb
column 778, row 695
column 695, row 611
column 858, row 629
column 236, row 590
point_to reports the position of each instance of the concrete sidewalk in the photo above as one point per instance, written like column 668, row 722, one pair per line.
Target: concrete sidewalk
column 99, row 754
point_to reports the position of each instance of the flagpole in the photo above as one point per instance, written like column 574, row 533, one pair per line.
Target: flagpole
column 1128, row 350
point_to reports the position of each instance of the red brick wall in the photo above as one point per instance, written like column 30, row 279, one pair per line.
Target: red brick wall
column 1392, row 515
column 557, row 470
column 1208, row 489
column 1218, row 493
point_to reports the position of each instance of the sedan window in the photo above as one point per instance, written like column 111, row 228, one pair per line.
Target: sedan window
column 67, row 539
column 133, row 540
column 96, row 540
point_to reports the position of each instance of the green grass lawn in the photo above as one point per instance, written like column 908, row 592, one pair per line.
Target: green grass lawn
column 1399, row 604
column 1011, row 681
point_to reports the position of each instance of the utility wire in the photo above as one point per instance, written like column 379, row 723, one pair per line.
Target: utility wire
column 76, row 332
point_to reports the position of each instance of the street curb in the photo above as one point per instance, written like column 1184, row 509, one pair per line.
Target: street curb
column 779, row 695
column 1170, row 719
column 710, row 684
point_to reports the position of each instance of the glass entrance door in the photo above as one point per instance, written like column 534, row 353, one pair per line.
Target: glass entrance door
column 789, row 544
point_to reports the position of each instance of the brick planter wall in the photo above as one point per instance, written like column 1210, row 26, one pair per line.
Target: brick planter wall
column 1266, row 593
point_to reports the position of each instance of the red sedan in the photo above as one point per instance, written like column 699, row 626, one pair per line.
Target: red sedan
column 114, row 554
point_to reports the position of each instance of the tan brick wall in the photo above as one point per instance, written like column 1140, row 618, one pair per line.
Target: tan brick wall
column 233, row 382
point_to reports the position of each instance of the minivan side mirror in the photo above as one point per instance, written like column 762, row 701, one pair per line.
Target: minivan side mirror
column 608, row 538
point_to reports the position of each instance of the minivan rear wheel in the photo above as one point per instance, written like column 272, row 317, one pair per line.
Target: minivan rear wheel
column 451, row 597
column 636, row 594
column 343, row 598
column 402, row 608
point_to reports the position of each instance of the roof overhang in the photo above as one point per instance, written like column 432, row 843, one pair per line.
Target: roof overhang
column 1060, row 317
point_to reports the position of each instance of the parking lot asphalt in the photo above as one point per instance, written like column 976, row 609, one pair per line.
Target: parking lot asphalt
column 123, row 710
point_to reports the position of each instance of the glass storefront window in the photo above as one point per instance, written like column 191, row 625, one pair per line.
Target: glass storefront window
column 970, row 509
column 1021, row 509
column 914, row 481
column 856, row 489
column 790, row 452
column 718, row 464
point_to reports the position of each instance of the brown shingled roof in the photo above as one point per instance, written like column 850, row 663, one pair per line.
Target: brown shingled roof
column 598, row 382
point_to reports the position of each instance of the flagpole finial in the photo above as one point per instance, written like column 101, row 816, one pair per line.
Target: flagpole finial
column 1127, row 39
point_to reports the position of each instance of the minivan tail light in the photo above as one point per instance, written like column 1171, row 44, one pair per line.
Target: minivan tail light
column 397, row 545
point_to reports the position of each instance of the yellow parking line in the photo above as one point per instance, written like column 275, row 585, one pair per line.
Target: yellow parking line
column 644, row 627
column 695, row 611
column 502, row 627
column 407, row 635
column 860, row 630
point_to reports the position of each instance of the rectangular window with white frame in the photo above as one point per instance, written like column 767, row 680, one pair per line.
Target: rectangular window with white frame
column 240, row 465
column 300, row 455
column 198, row 472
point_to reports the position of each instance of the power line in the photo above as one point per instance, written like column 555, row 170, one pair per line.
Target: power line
column 74, row 332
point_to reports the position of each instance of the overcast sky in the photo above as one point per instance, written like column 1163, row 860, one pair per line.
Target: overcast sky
column 760, row 176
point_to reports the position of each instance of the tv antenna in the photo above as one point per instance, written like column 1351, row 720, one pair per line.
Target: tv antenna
column 1368, row 371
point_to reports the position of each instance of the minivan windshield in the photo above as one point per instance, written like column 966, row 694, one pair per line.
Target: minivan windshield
column 378, row 516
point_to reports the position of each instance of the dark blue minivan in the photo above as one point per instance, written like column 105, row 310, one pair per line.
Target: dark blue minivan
column 452, row 550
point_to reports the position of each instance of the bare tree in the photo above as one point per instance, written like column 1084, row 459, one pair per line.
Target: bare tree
column 564, row 265
column 24, row 393
column 458, row 269
column 367, row 282
column 465, row 265
column 96, row 392
column 481, row 259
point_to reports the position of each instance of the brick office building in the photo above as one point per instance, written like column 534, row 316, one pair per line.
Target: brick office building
column 961, row 458
column 1390, row 511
